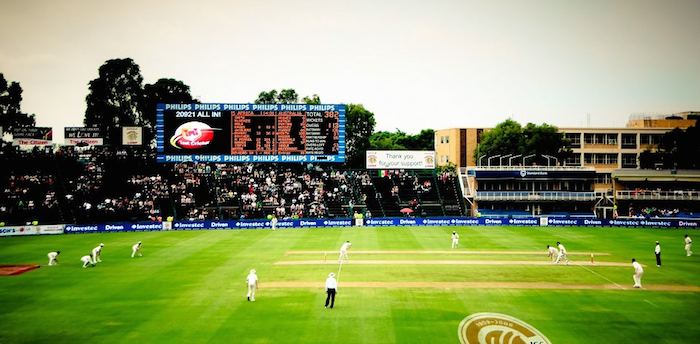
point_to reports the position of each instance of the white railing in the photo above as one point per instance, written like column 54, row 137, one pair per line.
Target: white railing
column 534, row 196
column 531, row 168
column 676, row 195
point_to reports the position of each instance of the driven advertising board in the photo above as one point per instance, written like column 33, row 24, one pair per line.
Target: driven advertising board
column 250, row 132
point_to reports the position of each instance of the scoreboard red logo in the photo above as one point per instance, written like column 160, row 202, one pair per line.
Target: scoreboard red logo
column 192, row 135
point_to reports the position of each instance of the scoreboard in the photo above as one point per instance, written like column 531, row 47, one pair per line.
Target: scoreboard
column 214, row 132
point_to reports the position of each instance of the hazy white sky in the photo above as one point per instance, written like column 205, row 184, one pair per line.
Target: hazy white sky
column 415, row 64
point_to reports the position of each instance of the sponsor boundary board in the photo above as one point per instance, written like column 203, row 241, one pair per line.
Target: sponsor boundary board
column 372, row 222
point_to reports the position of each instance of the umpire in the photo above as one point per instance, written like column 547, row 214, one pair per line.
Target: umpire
column 657, row 251
column 331, row 286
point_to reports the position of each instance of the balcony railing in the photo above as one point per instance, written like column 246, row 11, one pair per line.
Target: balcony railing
column 534, row 196
column 677, row 195
column 527, row 168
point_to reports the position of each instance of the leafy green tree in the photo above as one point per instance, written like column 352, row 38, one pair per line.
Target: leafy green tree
column 164, row 90
column 314, row 100
column 116, row 98
column 359, row 126
column 11, row 115
column 385, row 140
column 284, row 96
column 509, row 137
column 505, row 138
column 678, row 149
column 545, row 139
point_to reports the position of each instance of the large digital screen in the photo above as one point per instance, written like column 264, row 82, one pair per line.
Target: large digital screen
column 214, row 132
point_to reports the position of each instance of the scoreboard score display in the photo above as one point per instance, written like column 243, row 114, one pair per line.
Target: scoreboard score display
column 232, row 133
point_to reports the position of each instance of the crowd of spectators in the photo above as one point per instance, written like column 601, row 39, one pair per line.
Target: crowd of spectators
column 103, row 184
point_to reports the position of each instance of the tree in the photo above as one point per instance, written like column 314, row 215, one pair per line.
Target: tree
column 505, row 138
column 314, row 99
column 359, row 126
column 284, row 96
column 385, row 140
column 509, row 137
column 678, row 149
column 116, row 98
column 11, row 115
column 169, row 91
column 545, row 139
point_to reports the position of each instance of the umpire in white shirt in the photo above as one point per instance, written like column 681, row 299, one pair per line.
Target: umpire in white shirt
column 331, row 289
column 657, row 251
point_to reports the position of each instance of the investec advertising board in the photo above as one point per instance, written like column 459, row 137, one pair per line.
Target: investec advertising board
column 387, row 160
column 250, row 132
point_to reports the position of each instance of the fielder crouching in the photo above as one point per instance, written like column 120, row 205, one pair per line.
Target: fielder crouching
column 87, row 260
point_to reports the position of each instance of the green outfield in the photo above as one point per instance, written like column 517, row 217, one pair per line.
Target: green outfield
column 402, row 285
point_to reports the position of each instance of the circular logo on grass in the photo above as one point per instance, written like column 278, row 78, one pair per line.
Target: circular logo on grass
column 488, row 328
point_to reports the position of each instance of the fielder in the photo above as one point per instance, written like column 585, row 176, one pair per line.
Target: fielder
column 344, row 251
column 552, row 253
column 638, row 272
column 688, row 246
column 331, row 289
column 455, row 239
column 252, row 282
column 562, row 254
column 97, row 254
column 273, row 222
column 53, row 257
column 87, row 260
column 136, row 248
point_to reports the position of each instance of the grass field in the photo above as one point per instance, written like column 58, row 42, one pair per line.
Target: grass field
column 189, row 286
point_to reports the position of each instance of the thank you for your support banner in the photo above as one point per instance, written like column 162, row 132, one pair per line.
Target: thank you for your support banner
column 388, row 160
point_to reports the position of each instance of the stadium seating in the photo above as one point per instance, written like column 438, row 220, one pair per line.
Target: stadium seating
column 103, row 184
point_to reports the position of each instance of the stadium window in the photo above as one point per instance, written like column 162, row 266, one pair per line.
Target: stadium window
column 629, row 160
column 602, row 178
column 574, row 139
column 629, row 141
column 574, row 160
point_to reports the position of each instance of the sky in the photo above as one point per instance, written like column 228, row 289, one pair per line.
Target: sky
column 415, row 64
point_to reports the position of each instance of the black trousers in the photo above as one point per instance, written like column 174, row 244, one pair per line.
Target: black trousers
column 330, row 297
column 658, row 258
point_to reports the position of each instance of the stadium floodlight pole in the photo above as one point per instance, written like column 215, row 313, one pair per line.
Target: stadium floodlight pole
column 546, row 157
column 510, row 160
column 488, row 161
column 526, row 157
column 500, row 160
column 481, row 157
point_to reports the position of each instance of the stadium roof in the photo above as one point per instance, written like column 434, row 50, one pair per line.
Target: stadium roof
column 657, row 175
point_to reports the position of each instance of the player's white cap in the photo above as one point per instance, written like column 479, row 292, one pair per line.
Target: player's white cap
column 252, row 271
column 331, row 275
column 102, row 244
column 139, row 241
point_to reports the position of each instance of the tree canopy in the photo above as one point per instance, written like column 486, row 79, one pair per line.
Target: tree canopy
column 385, row 140
column 359, row 127
column 284, row 96
column 11, row 115
column 509, row 137
column 678, row 149
column 164, row 90
column 116, row 98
